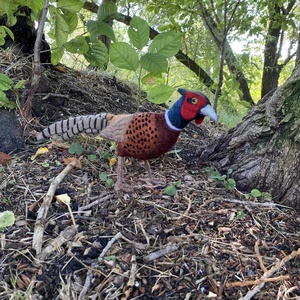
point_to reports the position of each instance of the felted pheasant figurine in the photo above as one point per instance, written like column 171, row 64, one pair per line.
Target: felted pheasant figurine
column 145, row 135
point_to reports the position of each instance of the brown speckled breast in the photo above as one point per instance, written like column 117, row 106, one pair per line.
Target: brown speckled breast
column 147, row 137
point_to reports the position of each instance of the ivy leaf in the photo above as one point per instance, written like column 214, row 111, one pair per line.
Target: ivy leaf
column 166, row 43
column 138, row 32
column 160, row 94
column 154, row 63
column 123, row 56
column 75, row 148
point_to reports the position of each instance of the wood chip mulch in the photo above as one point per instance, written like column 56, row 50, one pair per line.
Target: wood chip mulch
column 205, row 242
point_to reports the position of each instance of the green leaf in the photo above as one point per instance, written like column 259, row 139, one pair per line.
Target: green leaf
column 7, row 218
column 77, row 45
column 5, row 102
column 45, row 164
column 266, row 196
column 20, row 84
column 98, row 28
column 97, row 55
column 106, row 9
column 73, row 6
column 230, row 183
column 240, row 215
column 75, row 148
column 122, row 55
column 255, row 193
column 154, row 63
column 160, row 94
column 5, row 82
column 138, row 32
column 152, row 78
column 56, row 54
column 9, row 8
column 92, row 157
column 170, row 190
column 103, row 176
column 8, row 31
column 109, row 183
column 166, row 43
column 60, row 30
column 71, row 19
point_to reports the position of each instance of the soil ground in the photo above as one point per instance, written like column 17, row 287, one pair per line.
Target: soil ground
column 205, row 242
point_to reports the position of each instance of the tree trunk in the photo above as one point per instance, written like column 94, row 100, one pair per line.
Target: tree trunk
column 264, row 149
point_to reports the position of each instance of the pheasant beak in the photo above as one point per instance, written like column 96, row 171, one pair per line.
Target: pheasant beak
column 207, row 110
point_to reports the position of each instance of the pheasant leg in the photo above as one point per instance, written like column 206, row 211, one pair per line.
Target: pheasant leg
column 119, row 185
column 150, row 179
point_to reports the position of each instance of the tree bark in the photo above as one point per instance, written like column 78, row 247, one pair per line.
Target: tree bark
column 264, row 149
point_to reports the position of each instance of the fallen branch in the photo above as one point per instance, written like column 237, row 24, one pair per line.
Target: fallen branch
column 43, row 210
column 265, row 277
column 66, row 235
column 256, row 249
column 155, row 255
column 256, row 282
column 119, row 235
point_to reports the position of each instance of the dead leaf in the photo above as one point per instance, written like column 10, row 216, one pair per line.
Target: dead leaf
column 39, row 152
column 4, row 159
column 112, row 161
column 68, row 160
column 64, row 198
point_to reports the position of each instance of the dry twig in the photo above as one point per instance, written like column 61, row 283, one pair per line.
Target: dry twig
column 43, row 210
column 266, row 276
column 155, row 255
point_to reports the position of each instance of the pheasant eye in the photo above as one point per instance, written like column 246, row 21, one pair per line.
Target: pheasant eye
column 194, row 100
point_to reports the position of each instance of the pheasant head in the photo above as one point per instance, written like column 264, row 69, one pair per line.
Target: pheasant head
column 191, row 106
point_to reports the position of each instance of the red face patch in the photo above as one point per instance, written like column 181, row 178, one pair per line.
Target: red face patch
column 191, row 105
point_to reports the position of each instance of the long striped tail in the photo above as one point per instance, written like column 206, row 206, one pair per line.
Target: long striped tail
column 74, row 125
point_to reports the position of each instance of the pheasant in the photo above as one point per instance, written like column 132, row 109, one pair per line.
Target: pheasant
column 143, row 135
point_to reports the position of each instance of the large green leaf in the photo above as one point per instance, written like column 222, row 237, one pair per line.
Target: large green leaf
column 77, row 45
column 160, row 93
column 166, row 43
column 71, row 19
column 138, row 32
column 73, row 6
column 9, row 8
column 56, row 54
column 106, row 9
column 122, row 55
column 98, row 28
column 154, row 63
column 97, row 55
column 61, row 29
